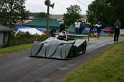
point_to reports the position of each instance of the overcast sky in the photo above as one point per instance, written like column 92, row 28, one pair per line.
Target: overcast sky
column 59, row 7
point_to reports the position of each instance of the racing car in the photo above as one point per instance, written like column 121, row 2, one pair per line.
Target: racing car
column 58, row 49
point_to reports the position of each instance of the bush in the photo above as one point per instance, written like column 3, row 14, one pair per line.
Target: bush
column 25, row 38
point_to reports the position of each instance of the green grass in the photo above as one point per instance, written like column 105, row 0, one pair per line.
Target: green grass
column 11, row 49
column 122, row 35
column 107, row 66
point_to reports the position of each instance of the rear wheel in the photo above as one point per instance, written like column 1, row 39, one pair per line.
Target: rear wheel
column 84, row 48
column 71, row 53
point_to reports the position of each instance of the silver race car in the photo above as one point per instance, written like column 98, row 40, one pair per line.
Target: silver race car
column 58, row 49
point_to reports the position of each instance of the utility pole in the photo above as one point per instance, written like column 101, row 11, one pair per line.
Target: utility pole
column 48, row 4
column 47, row 23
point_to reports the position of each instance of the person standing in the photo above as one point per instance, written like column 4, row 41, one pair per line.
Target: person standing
column 52, row 32
column 98, row 26
column 77, row 26
column 82, row 27
column 117, row 26
column 62, row 27
column 92, row 29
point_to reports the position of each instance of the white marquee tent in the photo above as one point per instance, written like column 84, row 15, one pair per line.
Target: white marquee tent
column 31, row 31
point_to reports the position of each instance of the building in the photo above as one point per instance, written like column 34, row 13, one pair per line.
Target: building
column 4, row 35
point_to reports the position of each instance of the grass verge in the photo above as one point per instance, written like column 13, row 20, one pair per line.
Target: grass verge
column 122, row 35
column 107, row 66
column 4, row 51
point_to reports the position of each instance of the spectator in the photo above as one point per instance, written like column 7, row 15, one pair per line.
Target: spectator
column 82, row 27
column 52, row 32
column 117, row 26
column 98, row 26
column 62, row 27
column 77, row 26
column 92, row 29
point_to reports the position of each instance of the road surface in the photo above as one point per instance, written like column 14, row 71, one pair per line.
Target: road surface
column 18, row 67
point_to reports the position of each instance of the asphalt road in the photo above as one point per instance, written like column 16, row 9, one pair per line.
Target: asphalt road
column 18, row 67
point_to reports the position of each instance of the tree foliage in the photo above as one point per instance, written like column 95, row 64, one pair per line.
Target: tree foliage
column 42, row 15
column 38, row 14
column 73, row 13
column 106, row 11
column 12, row 10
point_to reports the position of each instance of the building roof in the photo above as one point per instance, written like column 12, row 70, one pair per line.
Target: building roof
column 4, row 28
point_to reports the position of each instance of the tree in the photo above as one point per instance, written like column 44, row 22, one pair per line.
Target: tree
column 12, row 10
column 106, row 11
column 99, row 10
column 42, row 15
column 73, row 13
column 120, row 11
